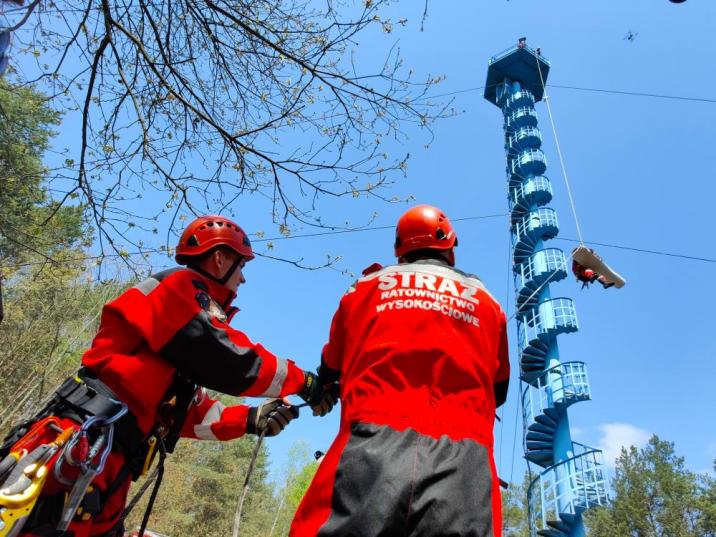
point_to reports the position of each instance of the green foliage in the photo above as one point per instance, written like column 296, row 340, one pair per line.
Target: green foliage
column 296, row 478
column 656, row 496
column 515, row 509
column 51, row 316
column 32, row 226
column 201, row 488
column 52, row 310
column 51, row 306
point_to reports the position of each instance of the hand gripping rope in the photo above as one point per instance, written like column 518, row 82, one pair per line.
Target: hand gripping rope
column 249, row 471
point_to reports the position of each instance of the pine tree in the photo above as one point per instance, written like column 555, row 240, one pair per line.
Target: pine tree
column 655, row 496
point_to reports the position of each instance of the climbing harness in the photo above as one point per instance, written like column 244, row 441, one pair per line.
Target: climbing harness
column 74, row 455
column 99, row 450
column 23, row 472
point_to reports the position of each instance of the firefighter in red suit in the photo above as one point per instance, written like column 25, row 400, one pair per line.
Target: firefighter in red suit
column 160, row 345
column 420, row 353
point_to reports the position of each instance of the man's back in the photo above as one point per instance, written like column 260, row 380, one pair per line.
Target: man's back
column 420, row 345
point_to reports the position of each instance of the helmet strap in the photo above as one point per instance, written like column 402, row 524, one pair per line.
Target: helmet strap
column 227, row 275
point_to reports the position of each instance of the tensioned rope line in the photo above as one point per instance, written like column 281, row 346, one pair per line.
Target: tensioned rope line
column 559, row 151
column 372, row 228
column 593, row 90
column 642, row 250
column 156, row 250
column 636, row 93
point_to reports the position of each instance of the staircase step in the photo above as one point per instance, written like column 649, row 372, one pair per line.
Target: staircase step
column 541, row 428
column 551, row 533
column 560, row 525
column 546, row 420
column 534, row 445
column 544, row 457
column 552, row 413
column 569, row 518
column 539, row 436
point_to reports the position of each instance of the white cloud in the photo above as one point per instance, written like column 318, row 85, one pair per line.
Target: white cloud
column 615, row 436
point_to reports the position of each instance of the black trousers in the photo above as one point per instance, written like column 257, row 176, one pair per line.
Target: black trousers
column 402, row 483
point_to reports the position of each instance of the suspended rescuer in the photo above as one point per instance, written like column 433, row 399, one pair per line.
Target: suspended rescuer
column 420, row 353
column 142, row 385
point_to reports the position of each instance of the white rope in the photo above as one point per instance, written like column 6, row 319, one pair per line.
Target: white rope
column 559, row 152
column 539, row 288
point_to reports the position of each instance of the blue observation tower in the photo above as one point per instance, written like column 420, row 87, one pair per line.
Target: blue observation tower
column 567, row 477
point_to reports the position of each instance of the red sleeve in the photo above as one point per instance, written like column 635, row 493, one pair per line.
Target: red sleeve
column 502, row 376
column 209, row 419
column 179, row 321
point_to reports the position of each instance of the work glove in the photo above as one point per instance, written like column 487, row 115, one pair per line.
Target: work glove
column 329, row 398
column 272, row 416
column 312, row 391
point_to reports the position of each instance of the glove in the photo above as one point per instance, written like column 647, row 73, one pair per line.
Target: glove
column 312, row 391
column 329, row 398
column 272, row 416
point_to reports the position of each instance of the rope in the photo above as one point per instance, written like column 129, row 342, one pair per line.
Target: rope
column 244, row 491
column 539, row 288
column 157, row 484
column 514, row 438
column 559, row 152
column 249, row 472
column 507, row 301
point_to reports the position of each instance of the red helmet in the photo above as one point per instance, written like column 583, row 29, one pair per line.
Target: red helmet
column 423, row 227
column 207, row 232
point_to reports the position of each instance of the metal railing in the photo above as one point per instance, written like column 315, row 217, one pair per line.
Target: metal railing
column 527, row 157
column 522, row 193
column 557, row 314
column 549, row 263
column 562, row 384
column 523, row 113
column 568, row 488
column 522, row 98
column 497, row 57
column 544, row 217
column 523, row 133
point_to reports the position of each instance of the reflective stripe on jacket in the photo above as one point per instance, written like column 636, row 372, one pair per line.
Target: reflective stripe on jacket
column 177, row 321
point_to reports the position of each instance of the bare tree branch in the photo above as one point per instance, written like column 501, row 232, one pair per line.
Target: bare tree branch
column 190, row 106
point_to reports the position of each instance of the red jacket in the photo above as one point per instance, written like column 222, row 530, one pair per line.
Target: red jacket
column 420, row 345
column 178, row 321
column 582, row 273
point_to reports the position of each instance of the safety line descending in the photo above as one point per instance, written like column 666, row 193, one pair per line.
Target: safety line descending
column 559, row 150
column 514, row 438
column 507, row 303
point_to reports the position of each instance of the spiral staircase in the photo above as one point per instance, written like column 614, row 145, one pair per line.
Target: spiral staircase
column 569, row 477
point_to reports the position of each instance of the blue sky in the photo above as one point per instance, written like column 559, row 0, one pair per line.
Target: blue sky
column 641, row 176
column 642, row 173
